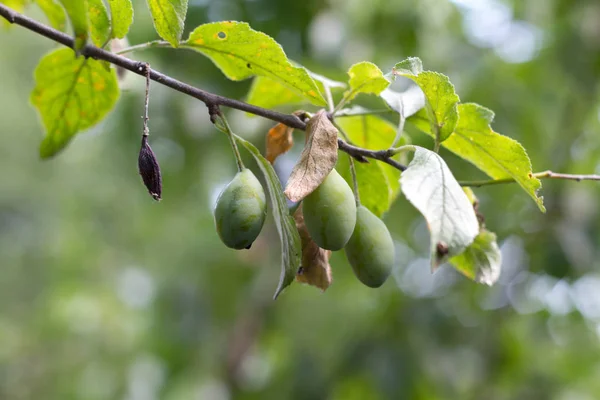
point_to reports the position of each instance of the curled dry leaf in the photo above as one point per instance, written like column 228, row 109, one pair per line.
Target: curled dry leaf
column 315, row 269
column 317, row 159
column 279, row 141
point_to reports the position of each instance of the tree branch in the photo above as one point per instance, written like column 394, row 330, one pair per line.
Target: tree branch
column 139, row 69
column 211, row 100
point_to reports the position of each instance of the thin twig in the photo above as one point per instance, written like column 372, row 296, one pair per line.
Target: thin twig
column 222, row 124
column 361, row 154
column 146, row 102
column 538, row 175
column 144, row 46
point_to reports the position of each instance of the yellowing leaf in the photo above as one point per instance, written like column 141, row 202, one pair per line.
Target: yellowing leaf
column 71, row 95
column 317, row 159
column 54, row 12
column 77, row 12
column 279, row 141
column 99, row 23
column 121, row 15
column 241, row 52
column 365, row 77
column 169, row 18
column 430, row 186
column 314, row 268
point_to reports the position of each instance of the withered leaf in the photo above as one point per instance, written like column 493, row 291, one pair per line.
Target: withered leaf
column 317, row 159
column 149, row 170
column 315, row 269
column 279, row 141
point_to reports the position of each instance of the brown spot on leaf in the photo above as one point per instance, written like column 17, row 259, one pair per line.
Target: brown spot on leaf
column 442, row 249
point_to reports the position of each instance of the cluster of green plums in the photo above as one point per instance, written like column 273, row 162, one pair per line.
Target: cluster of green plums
column 332, row 219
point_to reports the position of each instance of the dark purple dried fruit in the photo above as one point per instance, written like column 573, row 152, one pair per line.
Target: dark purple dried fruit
column 149, row 170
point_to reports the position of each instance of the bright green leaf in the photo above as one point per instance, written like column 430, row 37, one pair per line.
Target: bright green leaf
column 241, row 52
column 430, row 186
column 365, row 77
column 77, row 12
column 286, row 226
column 99, row 22
column 121, row 15
column 71, row 95
column 497, row 155
column 441, row 99
column 481, row 261
column 267, row 93
column 54, row 12
column 169, row 18
column 372, row 182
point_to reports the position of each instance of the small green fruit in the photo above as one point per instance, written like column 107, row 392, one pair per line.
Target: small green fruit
column 370, row 250
column 330, row 212
column 241, row 210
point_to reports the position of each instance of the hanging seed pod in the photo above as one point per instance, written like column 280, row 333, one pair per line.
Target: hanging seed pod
column 150, row 170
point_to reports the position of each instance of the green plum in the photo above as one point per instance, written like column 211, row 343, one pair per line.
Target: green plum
column 330, row 212
column 370, row 250
column 241, row 210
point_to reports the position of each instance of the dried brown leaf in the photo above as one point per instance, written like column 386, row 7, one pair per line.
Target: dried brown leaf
column 279, row 141
column 315, row 269
column 317, row 159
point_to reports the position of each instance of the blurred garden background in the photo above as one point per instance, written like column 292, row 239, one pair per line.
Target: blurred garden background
column 106, row 294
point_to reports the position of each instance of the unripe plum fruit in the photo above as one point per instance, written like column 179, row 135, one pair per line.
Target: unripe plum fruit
column 330, row 212
column 240, row 211
column 370, row 250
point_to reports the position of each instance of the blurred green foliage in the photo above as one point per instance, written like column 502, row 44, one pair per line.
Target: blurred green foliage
column 105, row 294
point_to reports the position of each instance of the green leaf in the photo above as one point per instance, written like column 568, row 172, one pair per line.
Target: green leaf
column 375, row 133
column 17, row 5
column 430, row 186
column 373, row 185
column 241, row 52
column 267, row 93
column 169, row 18
column 365, row 77
column 481, row 261
column 441, row 99
column 71, row 95
column 121, row 15
column 99, row 22
column 290, row 238
column 497, row 155
column 77, row 12
column 54, row 12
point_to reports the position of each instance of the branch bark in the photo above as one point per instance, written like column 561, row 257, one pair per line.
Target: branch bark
column 211, row 100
